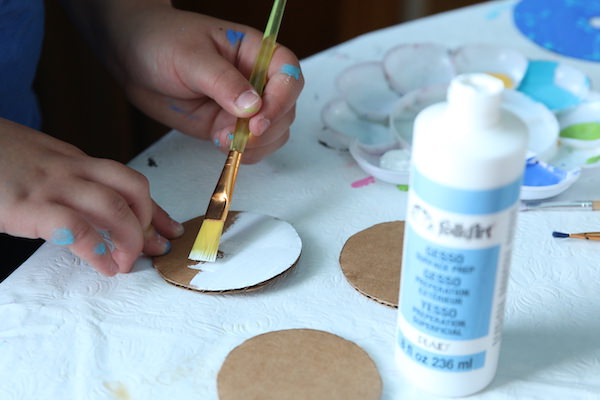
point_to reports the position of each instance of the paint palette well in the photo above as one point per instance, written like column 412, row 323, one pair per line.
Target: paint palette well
column 580, row 126
column 417, row 65
column 347, row 126
column 558, row 86
column 568, row 157
column 504, row 63
column 370, row 162
column 542, row 180
column 366, row 91
column 254, row 249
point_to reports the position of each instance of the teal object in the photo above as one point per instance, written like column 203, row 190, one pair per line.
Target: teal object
column 539, row 84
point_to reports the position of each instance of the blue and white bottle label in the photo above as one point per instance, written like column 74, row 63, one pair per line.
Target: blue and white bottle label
column 448, row 292
column 454, row 273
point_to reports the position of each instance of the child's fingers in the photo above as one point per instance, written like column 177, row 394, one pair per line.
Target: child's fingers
column 275, row 137
column 62, row 226
column 164, row 224
column 220, row 80
column 128, row 183
column 281, row 92
column 108, row 210
column 134, row 188
column 255, row 154
column 162, row 227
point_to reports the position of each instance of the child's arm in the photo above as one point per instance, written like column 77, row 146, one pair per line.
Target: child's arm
column 190, row 71
column 52, row 190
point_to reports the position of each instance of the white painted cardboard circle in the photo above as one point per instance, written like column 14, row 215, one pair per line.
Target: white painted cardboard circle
column 255, row 248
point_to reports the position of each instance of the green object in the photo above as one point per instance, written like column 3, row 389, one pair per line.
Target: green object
column 593, row 160
column 583, row 131
column 258, row 76
column 402, row 188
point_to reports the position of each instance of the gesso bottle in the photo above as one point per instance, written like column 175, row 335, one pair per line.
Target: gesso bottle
column 468, row 158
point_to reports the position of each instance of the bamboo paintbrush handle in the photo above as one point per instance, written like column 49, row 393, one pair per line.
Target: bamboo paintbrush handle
column 586, row 235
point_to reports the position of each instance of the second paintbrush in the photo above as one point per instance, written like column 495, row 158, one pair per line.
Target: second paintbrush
column 583, row 235
column 573, row 205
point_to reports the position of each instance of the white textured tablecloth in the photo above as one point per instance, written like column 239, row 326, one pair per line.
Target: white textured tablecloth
column 66, row 332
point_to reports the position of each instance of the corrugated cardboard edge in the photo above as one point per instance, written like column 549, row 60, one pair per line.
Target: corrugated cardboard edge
column 371, row 261
column 240, row 290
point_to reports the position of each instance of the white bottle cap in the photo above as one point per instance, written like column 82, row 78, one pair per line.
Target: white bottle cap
column 474, row 100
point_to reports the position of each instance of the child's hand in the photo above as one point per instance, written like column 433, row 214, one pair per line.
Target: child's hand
column 51, row 190
column 191, row 72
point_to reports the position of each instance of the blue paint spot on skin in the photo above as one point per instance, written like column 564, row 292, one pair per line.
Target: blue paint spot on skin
column 538, row 84
column 178, row 109
column 217, row 142
column 234, row 37
column 290, row 70
column 100, row 249
column 230, row 136
column 63, row 237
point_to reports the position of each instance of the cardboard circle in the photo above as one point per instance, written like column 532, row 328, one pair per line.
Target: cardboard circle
column 254, row 250
column 371, row 261
column 298, row 364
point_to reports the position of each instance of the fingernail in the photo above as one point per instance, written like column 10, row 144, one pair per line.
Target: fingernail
column 167, row 247
column 177, row 227
column 164, row 242
column 248, row 101
column 261, row 126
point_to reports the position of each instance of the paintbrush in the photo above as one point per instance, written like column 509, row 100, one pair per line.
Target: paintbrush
column 574, row 205
column 207, row 241
column 584, row 235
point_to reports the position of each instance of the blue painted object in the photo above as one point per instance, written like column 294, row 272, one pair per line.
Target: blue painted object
column 539, row 84
column 537, row 174
column 567, row 27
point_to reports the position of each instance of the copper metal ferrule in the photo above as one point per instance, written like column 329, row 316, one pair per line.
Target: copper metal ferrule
column 219, row 201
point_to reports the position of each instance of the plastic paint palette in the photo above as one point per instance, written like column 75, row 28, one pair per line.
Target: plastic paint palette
column 380, row 100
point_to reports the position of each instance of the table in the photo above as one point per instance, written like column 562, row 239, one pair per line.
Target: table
column 68, row 333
